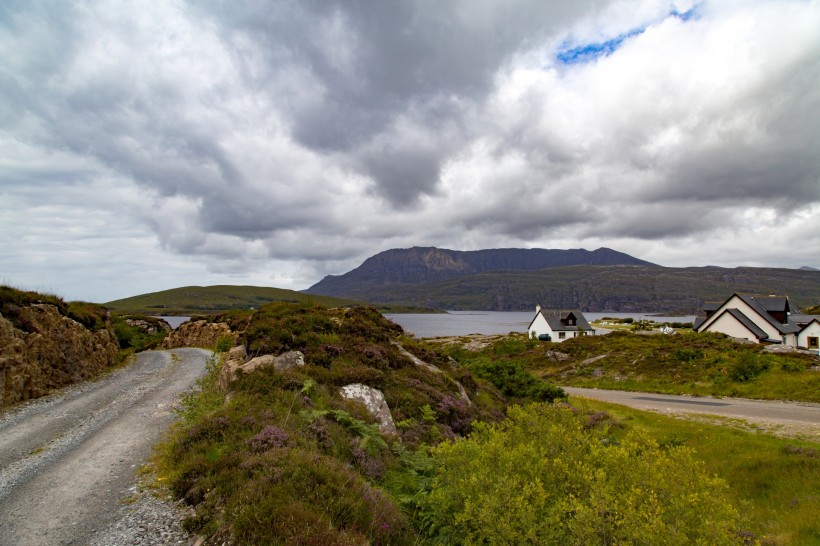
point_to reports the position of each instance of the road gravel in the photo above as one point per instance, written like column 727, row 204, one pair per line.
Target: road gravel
column 68, row 462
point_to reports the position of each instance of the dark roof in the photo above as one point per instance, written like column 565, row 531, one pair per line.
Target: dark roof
column 747, row 322
column 772, row 303
column 815, row 318
column 764, row 304
column 802, row 320
column 556, row 319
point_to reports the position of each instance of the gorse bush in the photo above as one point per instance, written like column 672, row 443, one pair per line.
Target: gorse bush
column 543, row 476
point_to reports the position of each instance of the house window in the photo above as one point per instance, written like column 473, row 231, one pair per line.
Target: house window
column 813, row 344
column 562, row 335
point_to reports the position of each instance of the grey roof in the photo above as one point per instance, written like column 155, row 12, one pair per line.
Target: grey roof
column 555, row 318
column 747, row 322
column 765, row 304
column 802, row 320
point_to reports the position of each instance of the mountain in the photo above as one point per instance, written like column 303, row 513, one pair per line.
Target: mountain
column 808, row 268
column 197, row 300
column 627, row 288
column 418, row 265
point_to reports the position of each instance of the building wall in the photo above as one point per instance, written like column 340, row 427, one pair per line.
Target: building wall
column 729, row 325
column 737, row 303
column 813, row 330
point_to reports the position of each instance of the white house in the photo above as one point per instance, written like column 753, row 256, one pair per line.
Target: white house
column 761, row 319
column 558, row 324
column 809, row 334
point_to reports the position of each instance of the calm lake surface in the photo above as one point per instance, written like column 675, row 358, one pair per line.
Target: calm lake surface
column 173, row 321
column 460, row 323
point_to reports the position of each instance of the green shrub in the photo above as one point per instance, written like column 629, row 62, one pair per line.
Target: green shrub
column 512, row 379
column 688, row 354
column 135, row 339
column 748, row 366
column 541, row 477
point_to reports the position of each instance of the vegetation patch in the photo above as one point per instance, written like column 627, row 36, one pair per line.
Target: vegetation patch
column 684, row 363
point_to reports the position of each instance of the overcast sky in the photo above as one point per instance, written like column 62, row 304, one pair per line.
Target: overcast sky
column 157, row 144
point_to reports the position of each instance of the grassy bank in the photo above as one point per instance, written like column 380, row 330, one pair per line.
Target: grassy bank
column 684, row 363
column 775, row 482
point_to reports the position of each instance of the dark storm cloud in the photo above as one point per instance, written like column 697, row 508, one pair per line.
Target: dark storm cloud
column 374, row 62
column 307, row 135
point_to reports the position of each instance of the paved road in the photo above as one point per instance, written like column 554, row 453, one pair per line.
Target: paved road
column 67, row 462
column 797, row 416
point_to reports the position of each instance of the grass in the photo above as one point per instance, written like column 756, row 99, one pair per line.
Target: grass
column 194, row 300
column 685, row 363
column 775, row 481
column 283, row 459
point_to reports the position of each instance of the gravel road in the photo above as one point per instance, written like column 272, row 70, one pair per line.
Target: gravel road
column 68, row 461
column 800, row 419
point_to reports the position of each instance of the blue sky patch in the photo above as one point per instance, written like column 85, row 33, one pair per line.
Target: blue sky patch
column 589, row 52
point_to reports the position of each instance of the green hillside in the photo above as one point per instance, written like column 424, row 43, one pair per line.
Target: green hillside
column 599, row 288
column 197, row 300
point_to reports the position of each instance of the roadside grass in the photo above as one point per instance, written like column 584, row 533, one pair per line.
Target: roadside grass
column 775, row 481
column 685, row 363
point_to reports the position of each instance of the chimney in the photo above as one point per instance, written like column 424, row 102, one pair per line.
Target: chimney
column 537, row 309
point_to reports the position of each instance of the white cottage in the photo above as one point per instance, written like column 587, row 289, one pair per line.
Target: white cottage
column 809, row 334
column 558, row 324
column 761, row 319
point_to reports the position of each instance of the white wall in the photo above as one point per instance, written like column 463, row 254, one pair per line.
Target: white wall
column 813, row 330
column 729, row 325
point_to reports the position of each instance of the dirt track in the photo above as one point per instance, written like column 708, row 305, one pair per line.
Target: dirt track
column 67, row 462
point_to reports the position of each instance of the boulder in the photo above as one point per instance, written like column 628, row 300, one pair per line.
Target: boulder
column 198, row 333
column 235, row 365
column 373, row 400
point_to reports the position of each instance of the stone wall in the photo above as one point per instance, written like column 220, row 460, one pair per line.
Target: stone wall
column 198, row 333
column 49, row 351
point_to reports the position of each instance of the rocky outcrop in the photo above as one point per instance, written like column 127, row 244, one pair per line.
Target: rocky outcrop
column 43, row 350
column 373, row 400
column 198, row 333
column 235, row 366
column 149, row 325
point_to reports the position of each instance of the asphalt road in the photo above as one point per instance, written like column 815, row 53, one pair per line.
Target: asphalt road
column 68, row 461
column 801, row 417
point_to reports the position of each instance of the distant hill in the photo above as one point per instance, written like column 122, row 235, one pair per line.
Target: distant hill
column 645, row 288
column 198, row 300
column 419, row 265
column 808, row 268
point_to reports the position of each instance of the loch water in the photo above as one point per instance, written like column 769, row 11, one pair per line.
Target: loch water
column 460, row 323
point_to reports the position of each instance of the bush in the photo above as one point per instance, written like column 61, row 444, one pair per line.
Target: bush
column 688, row 354
column 512, row 379
column 540, row 477
column 748, row 366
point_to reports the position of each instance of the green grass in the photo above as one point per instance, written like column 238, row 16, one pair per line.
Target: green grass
column 685, row 363
column 775, row 481
column 193, row 300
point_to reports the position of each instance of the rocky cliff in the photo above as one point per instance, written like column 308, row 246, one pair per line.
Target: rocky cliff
column 41, row 350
